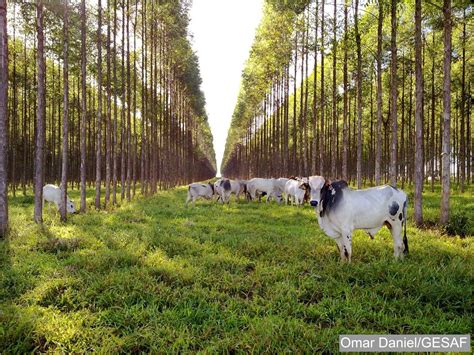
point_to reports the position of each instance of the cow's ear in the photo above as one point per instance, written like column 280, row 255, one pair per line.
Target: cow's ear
column 327, row 182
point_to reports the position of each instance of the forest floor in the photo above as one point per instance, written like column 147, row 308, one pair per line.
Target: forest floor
column 155, row 276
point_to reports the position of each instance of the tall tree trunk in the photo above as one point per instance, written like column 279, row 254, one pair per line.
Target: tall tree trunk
column 378, row 154
column 345, row 142
column 334, row 154
column 114, row 129
column 14, row 111
column 108, row 133
column 3, row 119
column 418, row 179
column 321, row 107
column 463, row 106
column 315, row 82
column 433, row 110
column 40, row 113
column 63, row 206
column 123, row 109
column 394, row 94
column 359, row 96
column 294, row 161
column 129, row 124
column 84, row 107
column 446, row 146
column 98, row 162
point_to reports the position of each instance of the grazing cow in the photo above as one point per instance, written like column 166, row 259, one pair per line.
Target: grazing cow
column 223, row 188
column 196, row 191
column 280, row 185
column 258, row 187
column 340, row 210
column 242, row 188
column 52, row 193
column 296, row 190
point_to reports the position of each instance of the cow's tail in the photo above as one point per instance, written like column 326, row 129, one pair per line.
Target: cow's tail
column 405, row 239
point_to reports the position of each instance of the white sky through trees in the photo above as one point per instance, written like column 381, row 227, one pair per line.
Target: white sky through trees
column 223, row 32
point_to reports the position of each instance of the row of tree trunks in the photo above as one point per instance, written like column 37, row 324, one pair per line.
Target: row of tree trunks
column 77, row 138
column 400, row 140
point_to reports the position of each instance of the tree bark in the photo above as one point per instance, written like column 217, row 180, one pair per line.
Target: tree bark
column 446, row 146
column 40, row 114
column 322, row 102
column 394, row 94
column 63, row 206
column 3, row 119
column 378, row 154
column 108, row 133
column 462, row 147
column 345, row 113
column 84, row 108
column 418, row 178
column 334, row 154
column 359, row 96
column 98, row 162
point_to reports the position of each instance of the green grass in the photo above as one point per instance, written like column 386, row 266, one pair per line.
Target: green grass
column 154, row 276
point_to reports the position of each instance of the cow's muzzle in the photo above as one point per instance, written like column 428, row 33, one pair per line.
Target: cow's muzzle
column 314, row 203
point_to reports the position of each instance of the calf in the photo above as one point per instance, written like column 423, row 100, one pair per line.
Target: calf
column 340, row 210
column 52, row 194
column 196, row 191
column 296, row 190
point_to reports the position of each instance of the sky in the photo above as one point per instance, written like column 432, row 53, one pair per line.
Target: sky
column 223, row 32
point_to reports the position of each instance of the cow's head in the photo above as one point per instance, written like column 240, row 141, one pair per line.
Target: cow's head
column 304, row 185
column 70, row 208
column 217, row 187
column 316, row 183
column 278, row 198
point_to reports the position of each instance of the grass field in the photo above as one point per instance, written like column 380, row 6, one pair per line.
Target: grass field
column 154, row 276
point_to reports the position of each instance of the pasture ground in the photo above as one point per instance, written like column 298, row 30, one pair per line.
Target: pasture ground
column 154, row 276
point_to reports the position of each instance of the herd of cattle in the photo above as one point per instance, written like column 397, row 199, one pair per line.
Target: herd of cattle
column 339, row 209
column 294, row 189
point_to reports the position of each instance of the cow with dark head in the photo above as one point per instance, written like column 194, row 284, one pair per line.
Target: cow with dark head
column 341, row 210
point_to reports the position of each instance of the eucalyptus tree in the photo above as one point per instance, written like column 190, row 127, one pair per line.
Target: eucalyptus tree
column 40, row 115
column 3, row 119
column 65, row 131
column 446, row 144
column 418, row 179
column 98, row 167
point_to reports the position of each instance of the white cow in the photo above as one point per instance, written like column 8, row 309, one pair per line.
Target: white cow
column 296, row 191
column 258, row 187
column 340, row 210
column 197, row 190
column 52, row 194
column 280, row 185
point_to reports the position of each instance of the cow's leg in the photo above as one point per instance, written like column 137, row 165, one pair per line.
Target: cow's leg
column 398, row 247
column 188, row 199
column 194, row 201
column 347, row 237
column 340, row 248
column 344, row 244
